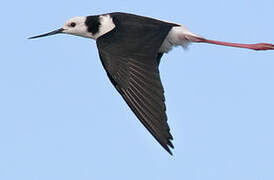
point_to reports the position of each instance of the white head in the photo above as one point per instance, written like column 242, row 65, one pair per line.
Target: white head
column 77, row 26
column 85, row 26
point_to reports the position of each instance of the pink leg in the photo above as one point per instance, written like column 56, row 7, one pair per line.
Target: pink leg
column 257, row 46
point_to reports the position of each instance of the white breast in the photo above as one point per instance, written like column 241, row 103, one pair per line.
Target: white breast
column 177, row 36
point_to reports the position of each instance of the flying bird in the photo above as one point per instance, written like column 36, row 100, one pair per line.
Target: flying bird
column 130, row 48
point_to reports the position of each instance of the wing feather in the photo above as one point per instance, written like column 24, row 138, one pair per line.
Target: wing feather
column 131, row 63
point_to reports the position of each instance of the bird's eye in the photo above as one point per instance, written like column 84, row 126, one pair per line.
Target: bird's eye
column 73, row 24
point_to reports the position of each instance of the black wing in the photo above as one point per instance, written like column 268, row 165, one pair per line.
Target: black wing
column 129, row 54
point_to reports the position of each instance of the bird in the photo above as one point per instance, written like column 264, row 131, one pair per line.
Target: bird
column 130, row 48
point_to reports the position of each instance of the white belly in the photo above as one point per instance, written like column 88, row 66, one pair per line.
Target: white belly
column 177, row 36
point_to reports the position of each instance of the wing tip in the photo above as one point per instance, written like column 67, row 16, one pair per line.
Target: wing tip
column 168, row 146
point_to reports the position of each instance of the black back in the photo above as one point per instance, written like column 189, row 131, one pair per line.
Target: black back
column 129, row 54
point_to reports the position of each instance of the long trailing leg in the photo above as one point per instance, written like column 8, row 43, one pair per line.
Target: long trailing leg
column 256, row 46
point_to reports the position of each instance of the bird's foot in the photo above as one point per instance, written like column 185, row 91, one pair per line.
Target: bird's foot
column 262, row 46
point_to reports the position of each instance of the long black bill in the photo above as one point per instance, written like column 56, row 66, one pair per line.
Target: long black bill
column 48, row 34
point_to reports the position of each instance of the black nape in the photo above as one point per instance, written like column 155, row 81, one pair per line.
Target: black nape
column 93, row 23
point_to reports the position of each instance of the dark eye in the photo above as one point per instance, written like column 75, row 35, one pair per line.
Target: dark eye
column 73, row 24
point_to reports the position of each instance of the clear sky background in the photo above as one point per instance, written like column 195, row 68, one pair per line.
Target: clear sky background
column 60, row 117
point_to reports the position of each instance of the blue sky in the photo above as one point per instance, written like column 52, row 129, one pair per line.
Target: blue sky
column 60, row 117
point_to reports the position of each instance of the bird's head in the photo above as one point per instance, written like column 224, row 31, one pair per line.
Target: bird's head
column 84, row 26
column 77, row 26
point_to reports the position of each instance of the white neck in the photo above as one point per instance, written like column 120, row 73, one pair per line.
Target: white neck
column 106, row 25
